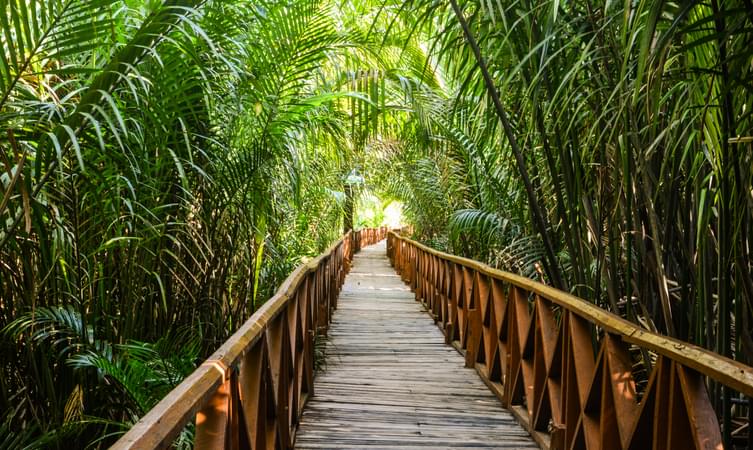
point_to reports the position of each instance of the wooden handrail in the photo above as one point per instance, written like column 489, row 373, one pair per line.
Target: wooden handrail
column 563, row 365
column 253, row 388
column 368, row 236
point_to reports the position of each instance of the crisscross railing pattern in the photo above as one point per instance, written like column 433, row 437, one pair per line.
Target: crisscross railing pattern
column 564, row 366
column 251, row 392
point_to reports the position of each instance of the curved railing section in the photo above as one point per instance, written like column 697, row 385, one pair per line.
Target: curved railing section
column 564, row 366
column 251, row 392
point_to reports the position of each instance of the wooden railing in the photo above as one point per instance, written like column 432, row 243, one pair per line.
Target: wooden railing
column 565, row 367
column 250, row 393
column 368, row 236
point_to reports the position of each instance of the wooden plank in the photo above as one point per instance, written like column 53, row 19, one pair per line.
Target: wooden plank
column 389, row 381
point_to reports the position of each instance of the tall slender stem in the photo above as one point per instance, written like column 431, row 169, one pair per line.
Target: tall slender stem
column 538, row 217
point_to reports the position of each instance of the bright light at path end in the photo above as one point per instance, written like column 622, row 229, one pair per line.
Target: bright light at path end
column 393, row 215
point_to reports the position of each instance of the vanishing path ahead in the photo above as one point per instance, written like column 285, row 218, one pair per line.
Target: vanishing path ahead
column 389, row 380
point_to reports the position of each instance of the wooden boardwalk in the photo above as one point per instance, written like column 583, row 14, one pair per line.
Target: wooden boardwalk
column 389, row 380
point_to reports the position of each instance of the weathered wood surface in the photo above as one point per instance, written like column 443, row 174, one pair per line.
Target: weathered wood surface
column 389, row 380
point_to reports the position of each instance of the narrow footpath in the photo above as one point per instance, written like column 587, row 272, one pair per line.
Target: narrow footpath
column 389, row 381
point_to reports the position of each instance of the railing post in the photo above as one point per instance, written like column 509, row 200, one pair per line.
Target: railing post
column 212, row 420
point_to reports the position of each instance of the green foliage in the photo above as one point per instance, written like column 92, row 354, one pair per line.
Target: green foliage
column 164, row 166
column 371, row 211
column 634, row 124
column 121, row 381
column 627, row 114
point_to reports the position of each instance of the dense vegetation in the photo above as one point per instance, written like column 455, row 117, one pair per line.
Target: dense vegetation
column 602, row 147
column 166, row 164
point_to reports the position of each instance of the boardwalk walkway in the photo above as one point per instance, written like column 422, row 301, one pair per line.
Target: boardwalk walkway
column 390, row 381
